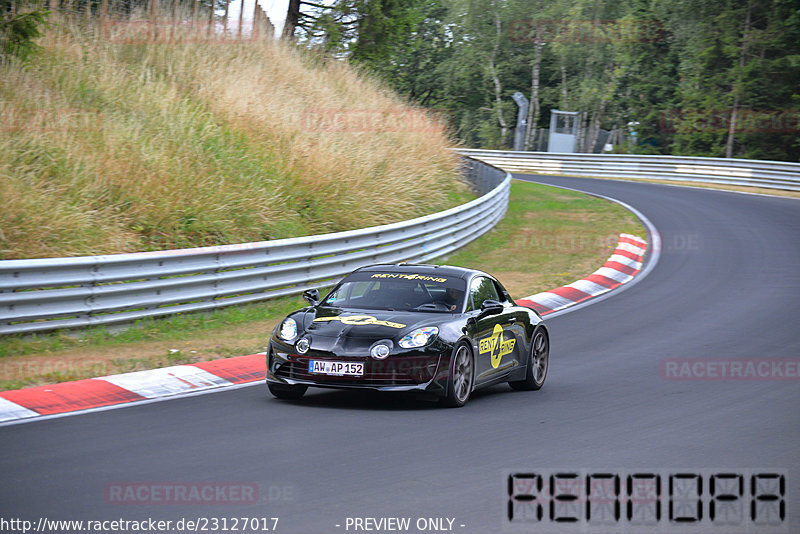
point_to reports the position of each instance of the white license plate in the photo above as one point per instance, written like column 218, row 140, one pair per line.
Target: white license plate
column 323, row 367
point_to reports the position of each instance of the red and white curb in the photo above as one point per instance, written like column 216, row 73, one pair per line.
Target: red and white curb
column 623, row 265
column 96, row 393
column 180, row 380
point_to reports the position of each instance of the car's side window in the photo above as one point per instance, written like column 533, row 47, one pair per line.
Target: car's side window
column 481, row 289
column 501, row 292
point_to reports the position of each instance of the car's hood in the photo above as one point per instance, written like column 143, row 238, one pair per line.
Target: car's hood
column 375, row 324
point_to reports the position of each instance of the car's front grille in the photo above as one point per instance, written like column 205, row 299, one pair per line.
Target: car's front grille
column 376, row 374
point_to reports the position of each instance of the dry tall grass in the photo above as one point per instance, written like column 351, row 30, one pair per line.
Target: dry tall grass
column 113, row 146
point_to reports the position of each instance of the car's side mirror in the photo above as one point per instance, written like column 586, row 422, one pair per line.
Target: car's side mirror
column 490, row 307
column 312, row 296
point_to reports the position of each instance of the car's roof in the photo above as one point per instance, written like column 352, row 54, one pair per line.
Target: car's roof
column 423, row 268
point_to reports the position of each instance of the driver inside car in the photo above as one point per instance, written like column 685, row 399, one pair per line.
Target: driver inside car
column 453, row 298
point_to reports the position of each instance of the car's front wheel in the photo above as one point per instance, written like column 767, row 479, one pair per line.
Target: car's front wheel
column 538, row 361
column 286, row 392
column 460, row 377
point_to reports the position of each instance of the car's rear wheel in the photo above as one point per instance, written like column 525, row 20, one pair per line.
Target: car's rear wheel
column 460, row 377
column 287, row 392
column 538, row 361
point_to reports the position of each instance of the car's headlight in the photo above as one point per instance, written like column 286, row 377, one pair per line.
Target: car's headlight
column 288, row 329
column 419, row 337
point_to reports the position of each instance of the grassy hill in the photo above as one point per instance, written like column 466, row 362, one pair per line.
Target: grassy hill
column 118, row 145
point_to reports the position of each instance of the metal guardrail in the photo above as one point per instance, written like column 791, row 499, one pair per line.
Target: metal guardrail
column 47, row 294
column 744, row 172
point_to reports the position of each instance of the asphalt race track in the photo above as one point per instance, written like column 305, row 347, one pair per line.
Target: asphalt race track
column 726, row 287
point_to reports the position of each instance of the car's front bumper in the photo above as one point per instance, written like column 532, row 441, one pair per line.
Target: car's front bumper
column 417, row 371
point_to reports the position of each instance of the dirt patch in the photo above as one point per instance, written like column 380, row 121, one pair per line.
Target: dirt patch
column 519, row 283
column 743, row 189
column 582, row 216
column 706, row 185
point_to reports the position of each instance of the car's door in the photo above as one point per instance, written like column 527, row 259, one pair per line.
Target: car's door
column 494, row 341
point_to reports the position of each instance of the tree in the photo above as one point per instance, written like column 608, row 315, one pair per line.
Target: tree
column 699, row 77
column 738, row 68
column 292, row 18
column 416, row 63
column 380, row 25
column 19, row 30
column 364, row 30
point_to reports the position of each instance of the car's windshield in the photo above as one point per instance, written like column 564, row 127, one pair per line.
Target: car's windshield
column 399, row 292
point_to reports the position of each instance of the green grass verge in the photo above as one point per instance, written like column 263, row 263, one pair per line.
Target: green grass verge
column 179, row 327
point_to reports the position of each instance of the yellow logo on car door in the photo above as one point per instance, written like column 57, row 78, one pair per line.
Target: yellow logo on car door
column 496, row 346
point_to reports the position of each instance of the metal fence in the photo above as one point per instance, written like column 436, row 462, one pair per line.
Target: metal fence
column 757, row 173
column 47, row 294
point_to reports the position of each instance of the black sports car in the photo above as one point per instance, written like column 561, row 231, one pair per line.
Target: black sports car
column 428, row 328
